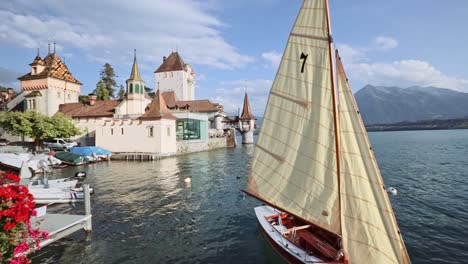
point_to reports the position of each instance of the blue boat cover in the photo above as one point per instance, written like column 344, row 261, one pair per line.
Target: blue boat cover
column 88, row 151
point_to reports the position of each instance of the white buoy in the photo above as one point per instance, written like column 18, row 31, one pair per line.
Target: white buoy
column 392, row 190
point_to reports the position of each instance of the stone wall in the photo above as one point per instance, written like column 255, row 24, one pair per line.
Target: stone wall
column 190, row 146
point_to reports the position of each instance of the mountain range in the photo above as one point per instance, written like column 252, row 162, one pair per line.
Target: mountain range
column 385, row 105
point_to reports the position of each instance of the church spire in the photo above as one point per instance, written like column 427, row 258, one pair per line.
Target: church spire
column 135, row 75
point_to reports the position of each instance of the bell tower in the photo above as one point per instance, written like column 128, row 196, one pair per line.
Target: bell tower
column 135, row 102
column 135, row 85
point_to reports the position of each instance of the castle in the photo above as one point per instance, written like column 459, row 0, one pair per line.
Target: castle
column 171, row 122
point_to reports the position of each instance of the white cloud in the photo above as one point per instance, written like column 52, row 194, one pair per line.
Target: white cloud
column 153, row 27
column 231, row 95
column 385, row 43
column 405, row 73
column 349, row 54
column 401, row 73
column 273, row 58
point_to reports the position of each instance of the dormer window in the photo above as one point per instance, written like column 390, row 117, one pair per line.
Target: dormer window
column 34, row 70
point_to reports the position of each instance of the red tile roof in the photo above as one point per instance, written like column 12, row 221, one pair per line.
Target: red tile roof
column 81, row 110
column 54, row 67
column 33, row 94
column 172, row 63
column 191, row 105
column 157, row 109
column 170, row 98
column 246, row 112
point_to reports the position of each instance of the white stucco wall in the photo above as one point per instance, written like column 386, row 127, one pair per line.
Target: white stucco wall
column 181, row 82
column 88, row 126
column 57, row 92
column 136, row 137
column 132, row 108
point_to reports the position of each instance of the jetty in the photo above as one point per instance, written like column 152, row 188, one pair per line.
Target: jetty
column 61, row 225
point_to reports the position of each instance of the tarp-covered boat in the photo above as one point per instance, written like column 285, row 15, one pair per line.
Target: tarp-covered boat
column 95, row 152
column 71, row 158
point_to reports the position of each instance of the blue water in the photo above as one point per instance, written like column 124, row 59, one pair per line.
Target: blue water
column 144, row 212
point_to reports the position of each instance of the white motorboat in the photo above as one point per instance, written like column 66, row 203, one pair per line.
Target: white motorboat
column 56, row 195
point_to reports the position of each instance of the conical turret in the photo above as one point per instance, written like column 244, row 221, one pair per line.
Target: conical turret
column 135, row 74
column 135, row 85
column 246, row 112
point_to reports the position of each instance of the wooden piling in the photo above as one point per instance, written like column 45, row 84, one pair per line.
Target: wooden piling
column 87, row 203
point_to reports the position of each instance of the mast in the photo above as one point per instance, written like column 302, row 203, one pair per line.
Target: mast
column 335, row 114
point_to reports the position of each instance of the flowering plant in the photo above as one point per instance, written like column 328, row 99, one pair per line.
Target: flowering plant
column 17, row 237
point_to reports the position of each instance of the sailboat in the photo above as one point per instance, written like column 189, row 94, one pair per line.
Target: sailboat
column 313, row 164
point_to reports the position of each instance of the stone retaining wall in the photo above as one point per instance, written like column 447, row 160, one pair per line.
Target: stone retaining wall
column 190, row 146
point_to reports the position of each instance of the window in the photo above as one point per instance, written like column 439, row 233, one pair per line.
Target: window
column 188, row 129
column 151, row 132
column 168, row 131
column 112, row 131
column 137, row 88
column 121, row 130
column 34, row 70
column 131, row 88
column 33, row 103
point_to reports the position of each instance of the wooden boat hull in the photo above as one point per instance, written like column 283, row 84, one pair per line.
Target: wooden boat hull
column 284, row 247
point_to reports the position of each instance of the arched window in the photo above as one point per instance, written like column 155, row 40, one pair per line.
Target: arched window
column 137, row 88
column 131, row 88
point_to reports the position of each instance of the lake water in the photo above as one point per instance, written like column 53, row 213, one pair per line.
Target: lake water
column 144, row 212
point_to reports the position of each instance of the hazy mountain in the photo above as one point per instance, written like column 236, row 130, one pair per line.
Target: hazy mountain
column 380, row 105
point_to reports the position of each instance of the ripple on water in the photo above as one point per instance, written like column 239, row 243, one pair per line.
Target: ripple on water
column 144, row 212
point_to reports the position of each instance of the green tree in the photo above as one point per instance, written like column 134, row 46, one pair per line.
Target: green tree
column 16, row 123
column 107, row 76
column 38, row 126
column 101, row 91
column 121, row 93
column 83, row 99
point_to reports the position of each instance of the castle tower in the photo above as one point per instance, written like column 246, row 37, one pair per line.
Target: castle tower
column 48, row 84
column 136, row 102
column 247, row 122
column 174, row 75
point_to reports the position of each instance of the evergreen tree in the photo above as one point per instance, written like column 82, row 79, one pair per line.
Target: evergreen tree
column 121, row 93
column 83, row 99
column 107, row 76
column 101, row 91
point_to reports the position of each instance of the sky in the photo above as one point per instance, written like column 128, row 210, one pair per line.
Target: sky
column 236, row 46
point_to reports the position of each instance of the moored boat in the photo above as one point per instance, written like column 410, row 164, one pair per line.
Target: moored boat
column 56, row 195
column 97, row 153
column 313, row 164
column 71, row 158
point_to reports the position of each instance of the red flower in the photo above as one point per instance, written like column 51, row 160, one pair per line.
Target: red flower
column 9, row 226
column 16, row 208
column 21, row 248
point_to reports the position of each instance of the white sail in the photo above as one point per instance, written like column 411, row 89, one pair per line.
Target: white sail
column 370, row 232
column 294, row 166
